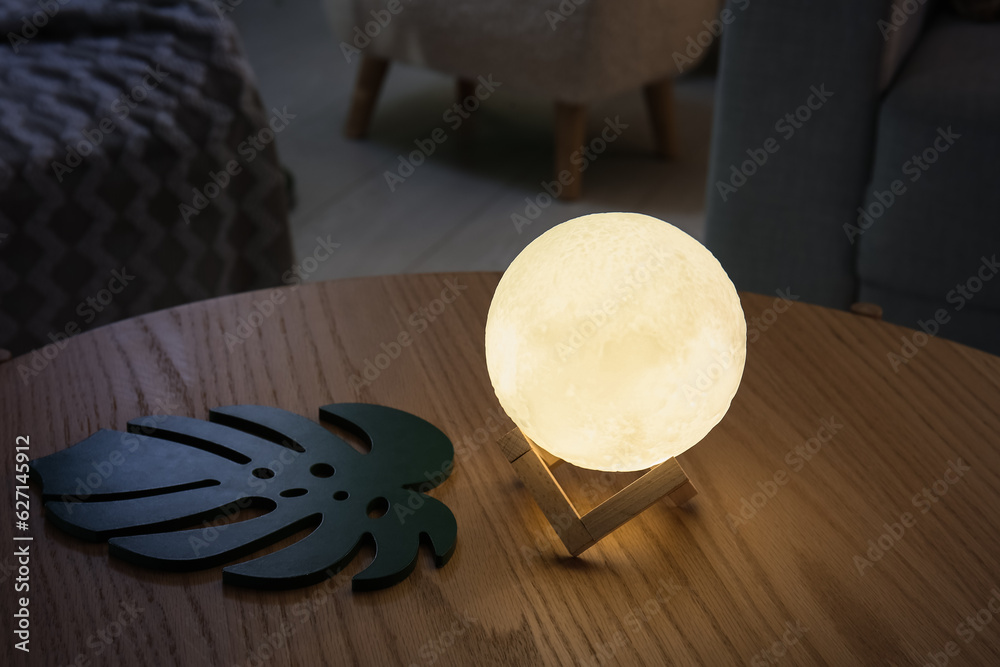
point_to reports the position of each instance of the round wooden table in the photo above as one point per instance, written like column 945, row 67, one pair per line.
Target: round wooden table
column 848, row 509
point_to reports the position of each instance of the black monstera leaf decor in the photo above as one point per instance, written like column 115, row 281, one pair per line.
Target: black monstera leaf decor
column 156, row 490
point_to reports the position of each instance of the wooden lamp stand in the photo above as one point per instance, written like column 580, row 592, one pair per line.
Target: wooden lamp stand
column 534, row 466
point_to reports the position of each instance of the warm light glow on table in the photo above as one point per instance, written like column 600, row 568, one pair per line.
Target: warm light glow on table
column 615, row 341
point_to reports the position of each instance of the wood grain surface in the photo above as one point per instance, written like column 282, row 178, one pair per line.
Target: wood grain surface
column 827, row 452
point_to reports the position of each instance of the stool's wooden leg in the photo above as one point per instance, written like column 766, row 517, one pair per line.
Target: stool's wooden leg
column 465, row 88
column 371, row 73
column 660, row 102
column 571, row 132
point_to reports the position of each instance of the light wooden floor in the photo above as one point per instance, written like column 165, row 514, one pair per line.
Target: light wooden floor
column 454, row 212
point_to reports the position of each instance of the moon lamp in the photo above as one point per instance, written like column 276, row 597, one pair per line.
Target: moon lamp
column 614, row 342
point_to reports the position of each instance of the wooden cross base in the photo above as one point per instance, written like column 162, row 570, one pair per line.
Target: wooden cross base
column 534, row 466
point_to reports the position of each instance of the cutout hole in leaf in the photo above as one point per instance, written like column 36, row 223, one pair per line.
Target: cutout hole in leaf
column 159, row 427
column 208, row 522
column 300, row 530
column 293, row 493
column 98, row 497
column 322, row 470
column 242, row 423
column 262, row 473
column 377, row 508
column 341, row 495
column 236, row 512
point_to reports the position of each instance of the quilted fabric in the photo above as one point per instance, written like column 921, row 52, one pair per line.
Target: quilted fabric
column 112, row 113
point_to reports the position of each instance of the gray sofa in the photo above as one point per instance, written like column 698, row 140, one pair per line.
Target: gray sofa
column 881, row 189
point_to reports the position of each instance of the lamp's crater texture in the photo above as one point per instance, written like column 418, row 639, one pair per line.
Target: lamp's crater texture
column 615, row 341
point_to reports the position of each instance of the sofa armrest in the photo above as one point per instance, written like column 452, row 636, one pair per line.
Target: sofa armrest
column 792, row 144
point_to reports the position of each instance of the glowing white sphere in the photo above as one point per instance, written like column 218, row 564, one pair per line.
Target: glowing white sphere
column 615, row 341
